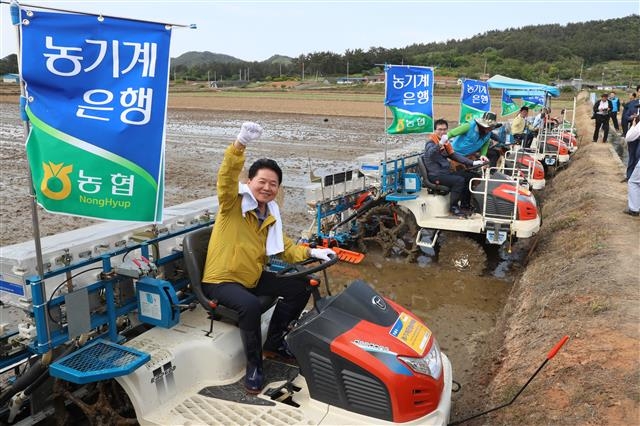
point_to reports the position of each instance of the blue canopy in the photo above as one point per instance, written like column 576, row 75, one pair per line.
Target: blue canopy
column 502, row 82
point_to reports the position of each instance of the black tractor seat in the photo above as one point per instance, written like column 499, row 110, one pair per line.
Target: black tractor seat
column 194, row 251
column 432, row 187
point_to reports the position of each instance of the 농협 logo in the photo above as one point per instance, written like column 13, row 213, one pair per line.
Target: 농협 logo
column 56, row 184
column 379, row 302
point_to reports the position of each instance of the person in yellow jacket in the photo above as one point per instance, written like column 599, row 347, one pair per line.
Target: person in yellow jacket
column 522, row 131
column 247, row 230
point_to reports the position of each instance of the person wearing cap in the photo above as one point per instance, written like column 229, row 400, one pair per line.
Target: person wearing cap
column 521, row 130
column 474, row 137
column 437, row 152
column 601, row 110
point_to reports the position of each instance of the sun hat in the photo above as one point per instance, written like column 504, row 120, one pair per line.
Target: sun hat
column 488, row 119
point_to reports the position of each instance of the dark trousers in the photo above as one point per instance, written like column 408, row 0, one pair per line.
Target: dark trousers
column 293, row 291
column 458, row 183
column 602, row 121
column 523, row 139
column 614, row 120
column 633, row 148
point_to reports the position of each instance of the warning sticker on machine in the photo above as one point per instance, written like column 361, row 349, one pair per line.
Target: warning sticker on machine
column 150, row 305
column 411, row 332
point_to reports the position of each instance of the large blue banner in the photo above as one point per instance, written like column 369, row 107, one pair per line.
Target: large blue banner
column 474, row 100
column 534, row 102
column 96, row 101
column 409, row 96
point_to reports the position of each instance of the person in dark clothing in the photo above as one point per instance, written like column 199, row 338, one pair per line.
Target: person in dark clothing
column 601, row 111
column 437, row 152
column 630, row 108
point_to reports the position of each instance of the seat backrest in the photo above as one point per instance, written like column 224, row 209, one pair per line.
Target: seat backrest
column 433, row 187
column 194, row 251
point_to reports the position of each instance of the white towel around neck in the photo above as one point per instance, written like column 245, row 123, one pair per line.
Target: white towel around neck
column 275, row 242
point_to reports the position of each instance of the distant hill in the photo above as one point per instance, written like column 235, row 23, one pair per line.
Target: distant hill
column 195, row 59
column 595, row 50
column 192, row 59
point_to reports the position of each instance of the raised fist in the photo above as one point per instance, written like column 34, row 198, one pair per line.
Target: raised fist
column 249, row 132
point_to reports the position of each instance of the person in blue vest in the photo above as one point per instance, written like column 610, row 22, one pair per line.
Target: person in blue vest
column 474, row 137
column 615, row 108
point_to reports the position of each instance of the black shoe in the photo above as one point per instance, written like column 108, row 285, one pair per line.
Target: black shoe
column 254, row 377
column 280, row 354
column 456, row 211
column 275, row 346
column 624, row 180
column 631, row 212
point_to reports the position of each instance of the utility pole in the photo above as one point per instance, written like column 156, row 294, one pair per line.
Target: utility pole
column 303, row 71
column 581, row 67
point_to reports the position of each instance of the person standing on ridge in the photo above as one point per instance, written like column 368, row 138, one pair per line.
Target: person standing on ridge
column 615, row 108
column 601, row 110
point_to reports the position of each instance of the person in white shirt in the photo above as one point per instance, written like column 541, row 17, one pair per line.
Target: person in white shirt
column 601, row 110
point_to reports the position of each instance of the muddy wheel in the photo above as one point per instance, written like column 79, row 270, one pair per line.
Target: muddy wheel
column 462, row 254
column 390, row 227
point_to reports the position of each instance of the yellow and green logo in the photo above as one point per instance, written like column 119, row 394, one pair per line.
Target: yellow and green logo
column 56, row 184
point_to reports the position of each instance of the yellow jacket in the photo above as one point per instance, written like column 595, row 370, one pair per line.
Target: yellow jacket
column 237, row 250
column 519, row 124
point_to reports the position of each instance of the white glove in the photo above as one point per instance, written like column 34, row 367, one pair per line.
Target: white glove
column 477, row 163
column 249, row 132
column 322, row 253
column 444, row 139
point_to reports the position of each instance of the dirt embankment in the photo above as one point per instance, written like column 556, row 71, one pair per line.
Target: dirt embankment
column 581, row 281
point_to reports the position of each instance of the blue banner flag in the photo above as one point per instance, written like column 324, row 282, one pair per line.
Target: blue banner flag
column 534, row 102
column 96, row 101
column 508, row 105
column 409, row 96
column 474, row 100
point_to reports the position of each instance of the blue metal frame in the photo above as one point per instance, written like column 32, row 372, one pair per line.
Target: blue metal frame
column 46, row 340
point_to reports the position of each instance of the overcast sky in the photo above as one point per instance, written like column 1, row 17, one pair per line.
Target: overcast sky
column 256, row 30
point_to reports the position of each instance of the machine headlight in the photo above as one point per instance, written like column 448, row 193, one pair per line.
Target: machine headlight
column 430, row 364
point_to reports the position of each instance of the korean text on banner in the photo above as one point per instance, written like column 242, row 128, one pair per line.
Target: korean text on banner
column 534, row 102
column 96, row 92
column 508, row 106
column 474, row 100
column 409, row 96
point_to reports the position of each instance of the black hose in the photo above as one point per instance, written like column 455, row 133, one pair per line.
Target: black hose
column 23, row 381
column 31, row 378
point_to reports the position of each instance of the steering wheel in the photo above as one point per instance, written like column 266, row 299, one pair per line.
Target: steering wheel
column 479, row 166
column 300, row 269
